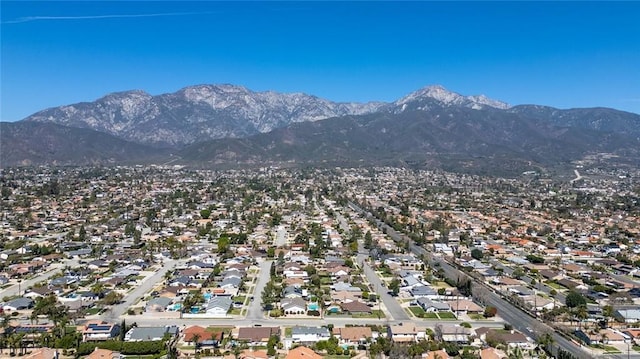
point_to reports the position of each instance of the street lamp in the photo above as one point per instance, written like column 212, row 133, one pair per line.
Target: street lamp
column 19, row 290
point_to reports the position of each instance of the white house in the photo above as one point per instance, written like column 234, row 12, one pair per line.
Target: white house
column 218, row 306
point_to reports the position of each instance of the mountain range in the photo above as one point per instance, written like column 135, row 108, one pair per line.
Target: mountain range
column 228, row 125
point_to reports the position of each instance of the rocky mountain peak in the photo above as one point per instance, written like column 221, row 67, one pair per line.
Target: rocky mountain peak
column 438, row 95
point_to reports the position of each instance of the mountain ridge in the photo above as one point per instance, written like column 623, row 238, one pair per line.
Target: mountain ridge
column 227, row 125
column 204, row 112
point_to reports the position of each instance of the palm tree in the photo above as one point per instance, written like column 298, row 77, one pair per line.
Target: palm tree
column 11, row 341
column 603, row 338
column 516, row 353
column 4, row 324
column 545, row 341
column 196, row 339
column 581, row 314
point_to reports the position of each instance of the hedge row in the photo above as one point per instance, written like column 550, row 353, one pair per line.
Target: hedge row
column 127, row 348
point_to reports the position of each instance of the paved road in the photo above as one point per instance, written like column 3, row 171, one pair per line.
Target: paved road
column 50, row 272
column 392, row 305
column 254, row 313
column 578, row 176
column 132, row 297
column 281, row 236
column 315, row 321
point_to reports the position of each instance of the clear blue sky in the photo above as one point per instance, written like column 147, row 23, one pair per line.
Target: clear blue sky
column 568, row 54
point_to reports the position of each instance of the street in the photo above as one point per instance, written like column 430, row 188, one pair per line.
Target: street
column 254, row 313
column 50, row 272
column 132, row 297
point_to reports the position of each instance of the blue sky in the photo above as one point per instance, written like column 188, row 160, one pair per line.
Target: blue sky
column 567, row 54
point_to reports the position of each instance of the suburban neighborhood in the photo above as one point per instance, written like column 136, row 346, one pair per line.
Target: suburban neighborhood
column 341, row 263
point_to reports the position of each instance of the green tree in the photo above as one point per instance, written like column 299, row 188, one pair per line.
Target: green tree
column 575, row 299
column 368, row 240
column 82, row 235
column 490, row 312
column 129, row 228
column 205, row 213
column 112, row 298
column 518, row 273
column 223, row 244
column 476, row 253
column 394, row 286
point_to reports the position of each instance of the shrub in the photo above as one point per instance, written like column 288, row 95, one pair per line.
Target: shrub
column 490, row 312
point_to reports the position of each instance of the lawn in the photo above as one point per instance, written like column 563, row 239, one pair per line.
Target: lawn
column 239, row 298
column 235, row 311
column 607, row 348
column 636, row 348
column 374, row 314
column 610, row 349
column 447, row 315
column 555, row 285
column 325, row 281
column 94, row 310
column 430, row 316
column 417, row 311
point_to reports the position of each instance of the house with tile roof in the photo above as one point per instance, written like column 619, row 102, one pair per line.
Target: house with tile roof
column 302, row 352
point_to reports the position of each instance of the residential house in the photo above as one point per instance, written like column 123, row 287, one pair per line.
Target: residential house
column 139, row 334
column 256, row 335
column 633, row 333
column 521, row 290
column 32, row 332
column 404, row 333
column 20, row 303
column 568, row 283
column 292, row 292
column 628, row 315
column 423, row 291
column 355, row 307
column 36, row 292
column 338, row 271
column 158, row 304
column 230, row 283
column 98, row 353
column 99, row 331
column 603, row 336
column 453, row 333
column 492, row 353
column 465, row 306
column 43, row 353
column 431, row 306
column 219, row 306
column 302, row 352
column 352, row 335
column 254, row 354
column 511, row 338
column 307, row 335
column 342, row 286
column 436, row 354
column 345, row 296
column 293, row 306
column 206, row 336
column 549, row 274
